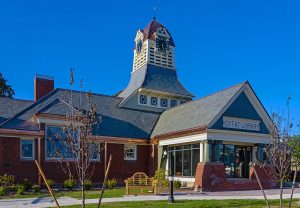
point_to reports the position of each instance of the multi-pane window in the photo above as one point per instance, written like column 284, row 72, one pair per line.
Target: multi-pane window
column 27, row 149
column 143, row 99
column 163, row 102
column 173, row 103
column 183, row 159
column 154, row 101
column 95, row 151
column 56, row 144
column 130, row 152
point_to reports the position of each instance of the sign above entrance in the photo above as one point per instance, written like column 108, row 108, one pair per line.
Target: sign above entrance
column 239, row 123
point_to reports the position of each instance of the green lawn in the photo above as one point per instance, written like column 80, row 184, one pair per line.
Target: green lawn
column 109, row 193
column 191, row 204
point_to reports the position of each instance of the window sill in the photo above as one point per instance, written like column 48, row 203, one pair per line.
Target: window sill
column 26, row 160
column 130, row 159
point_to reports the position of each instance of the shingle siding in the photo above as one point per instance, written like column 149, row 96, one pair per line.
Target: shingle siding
column 241, row 108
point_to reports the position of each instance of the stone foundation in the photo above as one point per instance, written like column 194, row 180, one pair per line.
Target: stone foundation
column 212, row 177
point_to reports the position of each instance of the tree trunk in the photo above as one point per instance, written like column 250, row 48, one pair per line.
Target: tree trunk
column 281, row 193
column 83, row 195
column 293, row 187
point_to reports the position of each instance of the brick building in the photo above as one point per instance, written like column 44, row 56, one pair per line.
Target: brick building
column 153, row 122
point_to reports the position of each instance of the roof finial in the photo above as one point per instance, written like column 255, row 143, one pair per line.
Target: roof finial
column 154, row 11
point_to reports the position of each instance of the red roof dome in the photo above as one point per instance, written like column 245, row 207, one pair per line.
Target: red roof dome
column 151, row 28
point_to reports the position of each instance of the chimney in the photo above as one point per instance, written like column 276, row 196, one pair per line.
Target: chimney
column 42, row 86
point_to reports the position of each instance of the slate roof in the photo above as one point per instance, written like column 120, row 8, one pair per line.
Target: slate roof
column 115, row 121
column 195, row 113
column 9, row 107
column 155, row 78
column 151, row 28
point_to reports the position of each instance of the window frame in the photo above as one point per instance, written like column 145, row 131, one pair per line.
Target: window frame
column 54, row 158
column 145, row 97
column 33, row 149
column 154, row 97
column 135, row 151
column 161, row 102
column 98, row 159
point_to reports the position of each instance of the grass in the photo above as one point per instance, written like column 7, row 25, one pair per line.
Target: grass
column 108, row 193
column 190, row 204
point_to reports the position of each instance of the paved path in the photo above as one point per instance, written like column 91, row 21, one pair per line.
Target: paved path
column 63, row 201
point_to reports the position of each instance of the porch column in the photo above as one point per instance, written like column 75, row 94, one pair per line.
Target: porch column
column 201, row 152
column 39, row 161
column 206, row 151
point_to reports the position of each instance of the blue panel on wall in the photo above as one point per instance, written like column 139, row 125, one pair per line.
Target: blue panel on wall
column 241, row 108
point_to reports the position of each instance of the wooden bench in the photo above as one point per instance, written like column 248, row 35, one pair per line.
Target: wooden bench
column 140, row 181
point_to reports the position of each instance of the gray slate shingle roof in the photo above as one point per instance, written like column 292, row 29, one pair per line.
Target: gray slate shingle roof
column 9, row 107
column 155, row 78
column 195, row 113
column 116, row 122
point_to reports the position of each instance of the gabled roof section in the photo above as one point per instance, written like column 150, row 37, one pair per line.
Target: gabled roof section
column 195, row 113
column 115, row 121
column 155, row 78
column 9, row 107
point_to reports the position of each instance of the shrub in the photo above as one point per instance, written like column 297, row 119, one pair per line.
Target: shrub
column 2, row 190
column 26, row 184
column 7, row 180
column 110, row 184
column 20, row 190
column 69, row 183
column 51, row 183
column 160, row 176
column 177, row 184
column 36, row 188
column 87, row 184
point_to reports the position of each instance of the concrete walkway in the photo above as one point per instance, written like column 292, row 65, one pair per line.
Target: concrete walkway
column 63, row 201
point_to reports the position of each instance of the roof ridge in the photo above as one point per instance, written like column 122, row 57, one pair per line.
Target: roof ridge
column 93, row 93
column 17, row 99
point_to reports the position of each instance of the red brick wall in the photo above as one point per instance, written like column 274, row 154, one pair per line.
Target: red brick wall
column 11, row 163
column 120, row 168
column 212, row 177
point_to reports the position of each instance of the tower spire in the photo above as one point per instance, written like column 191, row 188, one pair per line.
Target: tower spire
column 154, row 11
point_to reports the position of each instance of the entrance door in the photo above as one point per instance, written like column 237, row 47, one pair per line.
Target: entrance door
column 242, row 159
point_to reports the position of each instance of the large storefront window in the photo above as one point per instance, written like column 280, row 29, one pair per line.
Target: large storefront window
column 236, row 159
column 183, row 159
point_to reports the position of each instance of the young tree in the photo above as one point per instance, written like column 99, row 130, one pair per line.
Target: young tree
column 76, row 137
column 295, row 146
column 279, row 152
column 5, row 89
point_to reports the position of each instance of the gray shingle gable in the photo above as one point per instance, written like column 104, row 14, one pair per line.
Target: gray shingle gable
column 10, row 106
column 195, row 113
column 115, row 121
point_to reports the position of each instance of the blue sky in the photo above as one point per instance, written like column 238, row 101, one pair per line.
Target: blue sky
column 218, row 44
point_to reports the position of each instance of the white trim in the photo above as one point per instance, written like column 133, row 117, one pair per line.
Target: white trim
column 253, row 100
column 185, row 139
column 51, row 122
column 134, row 146
column 237, row 136
column 33, row 149
column 184, row 179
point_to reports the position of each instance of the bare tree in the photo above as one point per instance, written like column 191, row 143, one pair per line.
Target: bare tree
column 279, row 153
column 77, row 138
